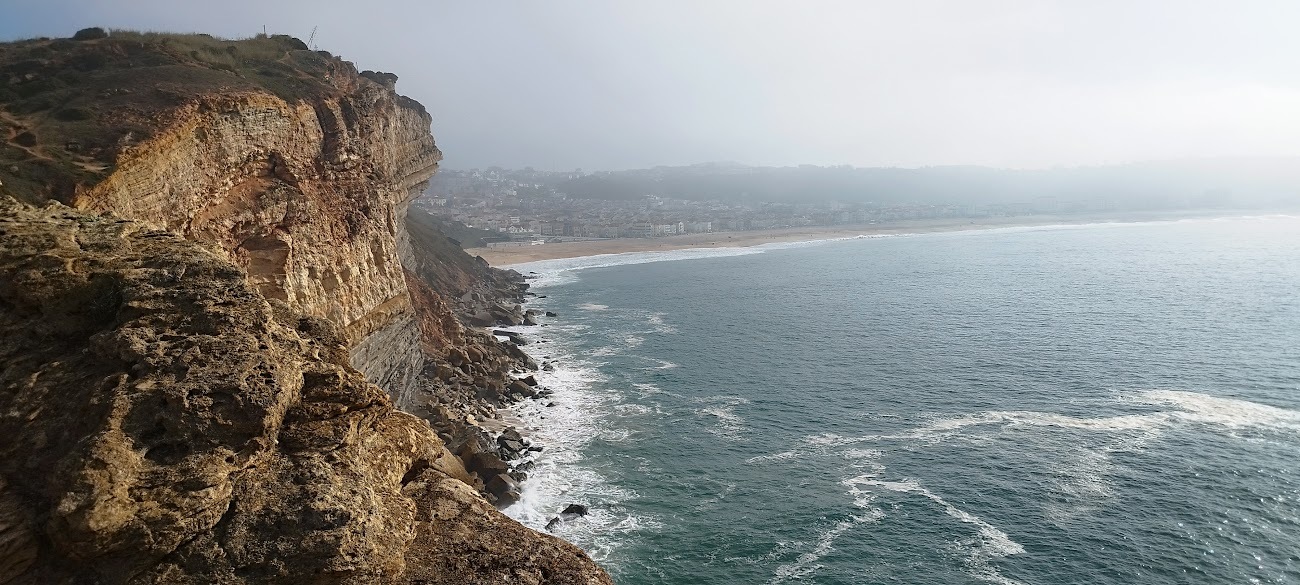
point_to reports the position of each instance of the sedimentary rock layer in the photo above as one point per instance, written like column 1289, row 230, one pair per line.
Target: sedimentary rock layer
column 307, row 197
column 167, row 423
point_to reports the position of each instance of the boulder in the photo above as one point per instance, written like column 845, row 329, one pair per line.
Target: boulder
column 504, row 487
column 444, row 372
column 511, row 335
column 481, row 459
column 551, row 314
column 512, row 449
column 481, row 319
column 512, row 433
column 574, row 510
column 518, row 387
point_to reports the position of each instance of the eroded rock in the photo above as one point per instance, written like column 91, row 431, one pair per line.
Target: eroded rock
column 166, row 424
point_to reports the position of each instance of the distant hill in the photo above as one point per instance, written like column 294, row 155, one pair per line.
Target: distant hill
column 1225, row 182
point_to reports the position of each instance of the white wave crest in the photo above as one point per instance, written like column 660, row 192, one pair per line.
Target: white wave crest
column 729, row 425
column 988, row 544
column 808, row 563
column 1231, row 413
column 782, row 456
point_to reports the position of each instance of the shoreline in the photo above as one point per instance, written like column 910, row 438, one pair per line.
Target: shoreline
column 560, row 423
column 508, row 257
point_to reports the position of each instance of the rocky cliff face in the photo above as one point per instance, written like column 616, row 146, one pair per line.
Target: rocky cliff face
column 190, row 353
column 167, row 424
column 307, row 197
column 304, row 185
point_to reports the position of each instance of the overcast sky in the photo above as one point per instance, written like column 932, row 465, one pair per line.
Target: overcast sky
column 610, row 85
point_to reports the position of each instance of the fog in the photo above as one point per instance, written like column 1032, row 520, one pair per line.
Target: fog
column 605, row 85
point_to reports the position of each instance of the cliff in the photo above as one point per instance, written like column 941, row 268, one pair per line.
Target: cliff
column 206, row 355
column 168, row 424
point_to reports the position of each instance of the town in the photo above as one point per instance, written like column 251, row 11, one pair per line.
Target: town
column 523, row 207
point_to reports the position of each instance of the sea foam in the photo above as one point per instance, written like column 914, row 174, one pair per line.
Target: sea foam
column 989, row 542
column 580, row 414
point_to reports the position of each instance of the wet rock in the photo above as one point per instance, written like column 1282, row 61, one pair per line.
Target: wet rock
column 574, row 510
column 512, row 449
column 504, row 488
column 519, row 388
column 551, row 314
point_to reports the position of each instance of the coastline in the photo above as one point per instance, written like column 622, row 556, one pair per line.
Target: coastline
column 562, row 423
column 507, row 257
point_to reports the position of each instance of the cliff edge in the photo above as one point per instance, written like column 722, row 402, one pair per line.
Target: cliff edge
column 213, row 319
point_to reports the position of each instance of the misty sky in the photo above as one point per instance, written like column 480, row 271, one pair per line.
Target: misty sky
column 611, row 85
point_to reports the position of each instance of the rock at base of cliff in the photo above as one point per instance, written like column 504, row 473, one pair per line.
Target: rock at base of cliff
column 460, row 539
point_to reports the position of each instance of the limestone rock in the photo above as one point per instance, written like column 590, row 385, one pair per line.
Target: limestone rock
column 164, row 423
column 488, row 553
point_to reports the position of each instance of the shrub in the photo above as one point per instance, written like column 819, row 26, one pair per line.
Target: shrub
column 90, row 34
column 291, row 42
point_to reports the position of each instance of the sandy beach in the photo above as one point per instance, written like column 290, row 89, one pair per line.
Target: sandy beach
column 500, row 257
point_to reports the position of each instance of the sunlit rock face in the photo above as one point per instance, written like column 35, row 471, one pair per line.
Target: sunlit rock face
column 168, row 424
column 307, row 197
column 215, row 369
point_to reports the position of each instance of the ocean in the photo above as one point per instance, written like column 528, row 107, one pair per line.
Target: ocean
column 1111, row 403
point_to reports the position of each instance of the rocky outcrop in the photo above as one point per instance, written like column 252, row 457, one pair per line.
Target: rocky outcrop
column 167, row 423
column 307, row 197
column 304, row 185
column 294, row 164
column 206, row 355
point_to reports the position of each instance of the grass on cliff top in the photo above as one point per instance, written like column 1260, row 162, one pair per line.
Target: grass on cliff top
column 67, row 107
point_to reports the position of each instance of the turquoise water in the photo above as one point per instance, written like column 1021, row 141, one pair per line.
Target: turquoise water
column 1113, row 403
